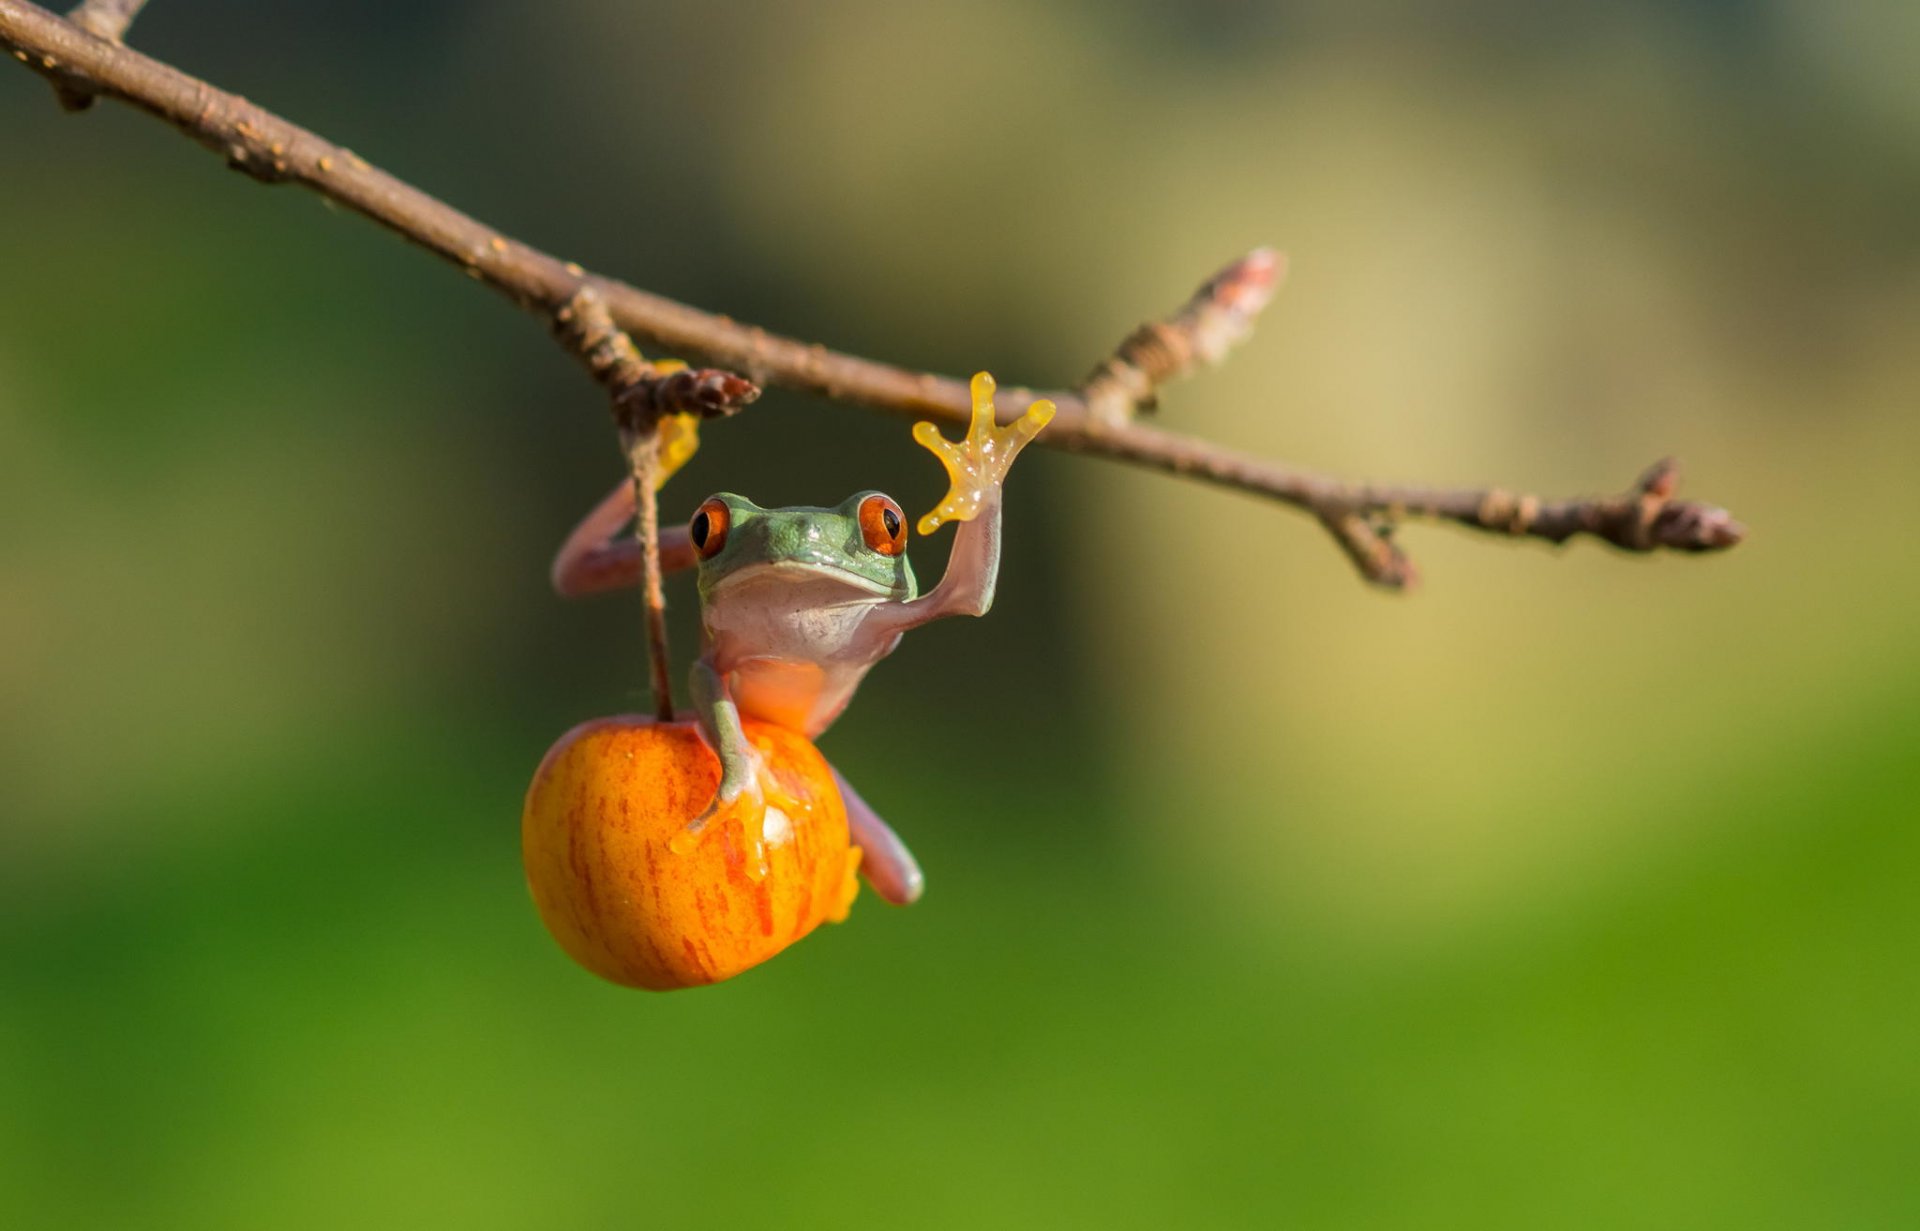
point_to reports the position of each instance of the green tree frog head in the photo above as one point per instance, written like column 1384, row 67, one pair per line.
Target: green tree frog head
column 854, row 552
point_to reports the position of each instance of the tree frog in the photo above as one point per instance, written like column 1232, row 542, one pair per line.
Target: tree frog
column 796, row 604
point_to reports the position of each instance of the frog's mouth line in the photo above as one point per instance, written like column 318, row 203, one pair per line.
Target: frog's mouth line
column 802, row 571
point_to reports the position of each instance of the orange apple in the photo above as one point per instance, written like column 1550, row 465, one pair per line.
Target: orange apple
column 597, row 836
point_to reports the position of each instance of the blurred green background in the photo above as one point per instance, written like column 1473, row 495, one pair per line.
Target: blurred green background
column 1573, row 890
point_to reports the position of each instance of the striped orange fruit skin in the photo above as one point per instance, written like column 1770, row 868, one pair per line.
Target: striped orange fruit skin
column 603, row 806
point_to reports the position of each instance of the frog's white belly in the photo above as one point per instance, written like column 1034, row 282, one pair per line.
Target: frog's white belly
column 793, row 653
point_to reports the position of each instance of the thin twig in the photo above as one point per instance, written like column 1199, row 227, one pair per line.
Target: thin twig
column 638, row 395
column 107, row 19
column 273, row 150
column 1218, row 317
column 643, row 459
column 1368, row 542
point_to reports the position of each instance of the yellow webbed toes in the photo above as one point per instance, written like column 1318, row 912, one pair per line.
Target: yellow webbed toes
column 679, row 441
column 977, row 464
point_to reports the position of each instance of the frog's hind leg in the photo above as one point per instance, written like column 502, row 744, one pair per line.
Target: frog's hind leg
column 885, row 860
column 601, row 555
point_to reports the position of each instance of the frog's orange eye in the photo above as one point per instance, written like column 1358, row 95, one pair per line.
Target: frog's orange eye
column 883, row 525
column 708, row 529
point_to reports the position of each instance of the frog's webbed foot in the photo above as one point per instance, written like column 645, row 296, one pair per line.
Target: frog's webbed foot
column 748, row 788
column 884, row 860
column 741, row 772
column 977, row 463
column 751, row 793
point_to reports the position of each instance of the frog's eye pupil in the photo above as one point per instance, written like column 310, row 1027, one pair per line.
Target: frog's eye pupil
column 883, row 525
column 708, row 529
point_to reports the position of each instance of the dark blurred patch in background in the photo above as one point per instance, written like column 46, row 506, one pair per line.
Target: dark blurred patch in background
column 1572, row 890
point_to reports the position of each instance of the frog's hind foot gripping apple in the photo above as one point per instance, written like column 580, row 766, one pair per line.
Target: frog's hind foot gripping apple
column 796, row 605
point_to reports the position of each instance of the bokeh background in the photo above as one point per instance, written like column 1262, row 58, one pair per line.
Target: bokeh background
column 1573, row 890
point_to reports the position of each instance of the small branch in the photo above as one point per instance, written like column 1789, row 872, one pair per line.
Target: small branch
column 639, row 395
column 1218, row 317
column 1645, row 518
column 107, row 19
column 1096, row 420
column 1369, row 544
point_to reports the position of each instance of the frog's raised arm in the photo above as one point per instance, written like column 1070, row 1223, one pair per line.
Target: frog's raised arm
column 977, row 465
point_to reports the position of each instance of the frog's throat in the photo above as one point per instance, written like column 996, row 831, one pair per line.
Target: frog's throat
column 803, row 570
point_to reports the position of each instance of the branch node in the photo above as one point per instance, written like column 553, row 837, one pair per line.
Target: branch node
column 1683, row 525
column 106, row 19
column 641, row 392
column 1503, row 511
column 1368, row 543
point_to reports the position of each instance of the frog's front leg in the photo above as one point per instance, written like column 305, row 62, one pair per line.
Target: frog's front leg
column 973, row 570
column 719, row 719
column 740, row 770
column 977, row 466
column 748, row 792
column 885, row 860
